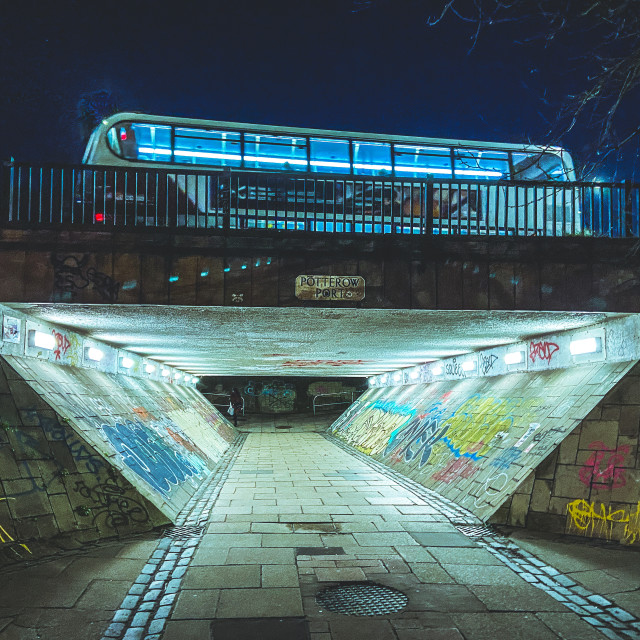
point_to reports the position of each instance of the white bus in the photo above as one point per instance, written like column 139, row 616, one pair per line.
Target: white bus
column 336, row 180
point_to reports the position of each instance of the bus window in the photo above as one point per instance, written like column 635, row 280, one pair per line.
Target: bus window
column 420, row 162
column 371, row 158
column 330, row 156
column 140, row 141
column 212, row 148
column 275, row 152
column 478, row 164
column 538, row 166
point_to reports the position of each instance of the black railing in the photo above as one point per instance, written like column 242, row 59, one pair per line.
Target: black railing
column 106, row 197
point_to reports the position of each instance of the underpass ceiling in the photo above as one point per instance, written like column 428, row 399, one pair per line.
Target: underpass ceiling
column 301, row 341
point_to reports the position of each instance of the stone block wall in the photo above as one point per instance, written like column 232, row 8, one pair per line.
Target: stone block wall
column 97, row 454
column 477, row 441
column 590, row 485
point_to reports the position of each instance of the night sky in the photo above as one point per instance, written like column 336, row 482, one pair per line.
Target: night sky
column 308, row 64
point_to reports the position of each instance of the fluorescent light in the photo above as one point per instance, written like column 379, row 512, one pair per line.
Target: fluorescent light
column 437, row 370
column 149, row 368
column 327, row 163
column 477, row 172
column 206, row 154
column 469, row 365
column 41, row 340
column 177, row 375
column 195, row 380
column 414, row 374
column 126, row 362
column 438, row 170
column 384, row 378
column 165, row 373
column 375, row 167
column 158, row 152
column 397, row 376
column 515, row 357
column 585, row 345
column 301, row 163
column 95, row 354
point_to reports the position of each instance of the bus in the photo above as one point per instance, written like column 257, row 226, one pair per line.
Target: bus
column 203, row 173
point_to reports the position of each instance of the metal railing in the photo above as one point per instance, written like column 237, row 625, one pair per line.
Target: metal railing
column 340, row 397
column 113, row 197
column 221, row 401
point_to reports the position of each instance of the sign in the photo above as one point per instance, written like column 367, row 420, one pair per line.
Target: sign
column 330, row 288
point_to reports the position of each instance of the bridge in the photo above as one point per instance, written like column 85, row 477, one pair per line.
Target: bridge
column 497, row 324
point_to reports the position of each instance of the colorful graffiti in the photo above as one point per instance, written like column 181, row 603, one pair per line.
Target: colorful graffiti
column 62, row 344
column 600, row 474
column 151, row 456
column 601, row 521
column 319, row 363
column 456, row 469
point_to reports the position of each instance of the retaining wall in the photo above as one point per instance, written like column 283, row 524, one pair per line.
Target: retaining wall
column 97, row 454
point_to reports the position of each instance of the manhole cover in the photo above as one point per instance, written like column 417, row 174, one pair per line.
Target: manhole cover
column 362, row 599
column 182, row 532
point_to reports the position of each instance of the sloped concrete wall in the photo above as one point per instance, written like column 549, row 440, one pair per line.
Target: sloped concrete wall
column 590, row 485
column 476, row 440
column 95, row 453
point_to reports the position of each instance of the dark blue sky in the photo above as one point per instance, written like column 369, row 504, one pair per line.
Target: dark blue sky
column 309, row 64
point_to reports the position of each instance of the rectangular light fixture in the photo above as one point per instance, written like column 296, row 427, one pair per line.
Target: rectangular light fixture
column 177, row 375
column 41, row 340
column 165, row 373
column 437, row 370
column 515, row 357
column 126, row 363
column 469, row 365
column 149, row 368
column 585, row 345
column 93, row 353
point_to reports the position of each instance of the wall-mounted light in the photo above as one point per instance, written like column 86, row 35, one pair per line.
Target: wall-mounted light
column 469, row 365
column 177, row 375
column 93, row 353
column 126, row 362
column 165, row 373
column 585, row 345
column 149, row 368
column 397, row 376
column 41, row 340
column 515, row 357
column 384, row 379
column 437, row 370
column 195, row 379
column 414, row 374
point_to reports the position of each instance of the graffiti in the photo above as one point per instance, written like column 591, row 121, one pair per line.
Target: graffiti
column 454, row 368
column 317, row 363
column 272, row 388
column 62, row 344
column 142, row 413
column 493, row 486
column 533, row 427
column 7, row 539
column 487, row 362
column 543, row 351
column 456, row 468
column 71, row 274
column 506, row 458
column 598, row 474
column 600, row 521
column 151, row 457
column 110, row 504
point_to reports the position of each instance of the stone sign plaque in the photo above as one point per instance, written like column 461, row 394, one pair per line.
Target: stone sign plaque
column 330, row 288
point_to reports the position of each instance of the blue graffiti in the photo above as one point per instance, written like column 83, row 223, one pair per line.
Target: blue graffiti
column 506, row 458
column 155, row 460
column 456, row 452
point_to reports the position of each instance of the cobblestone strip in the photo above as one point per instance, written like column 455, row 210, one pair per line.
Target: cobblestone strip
column 148, row 604
column 609, row 619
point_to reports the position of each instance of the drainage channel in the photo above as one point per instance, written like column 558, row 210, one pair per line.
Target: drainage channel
column 146, row 608
column 609, row 619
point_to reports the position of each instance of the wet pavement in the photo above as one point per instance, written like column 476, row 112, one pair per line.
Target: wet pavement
column 290, row 514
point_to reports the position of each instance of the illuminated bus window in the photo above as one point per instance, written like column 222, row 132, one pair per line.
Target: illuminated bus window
column 275, row 152
column 421, row 162
column 330, row 156
column 212, row 148
column 480, row 164
column 141, row 141
column 538, row 166
column 371, row 158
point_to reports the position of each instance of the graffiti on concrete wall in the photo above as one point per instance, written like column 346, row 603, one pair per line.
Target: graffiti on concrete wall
column 603, row 520
column 159, row 461
column 542, row 350
column 604, row 467
column 71, row 274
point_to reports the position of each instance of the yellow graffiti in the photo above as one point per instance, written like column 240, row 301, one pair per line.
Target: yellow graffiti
column 479, row 419
column 6, row 538
column 371, row 429
column 600, row 521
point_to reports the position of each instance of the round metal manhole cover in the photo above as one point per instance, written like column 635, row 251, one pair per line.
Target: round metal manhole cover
column 362, row 599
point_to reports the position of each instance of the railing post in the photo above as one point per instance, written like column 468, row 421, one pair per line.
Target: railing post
column 6, row 173
column 627, row 227
column 428, row 209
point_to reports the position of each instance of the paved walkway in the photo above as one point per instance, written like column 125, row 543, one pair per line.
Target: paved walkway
column 294, row 514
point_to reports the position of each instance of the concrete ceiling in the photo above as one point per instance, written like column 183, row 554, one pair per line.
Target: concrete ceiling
column 300, row 341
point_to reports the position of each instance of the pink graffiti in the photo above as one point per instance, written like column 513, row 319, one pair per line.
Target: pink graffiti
column 62, row 344
column 316, row 363
column 542, row 350
column 458, row 468
column 611, row 476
